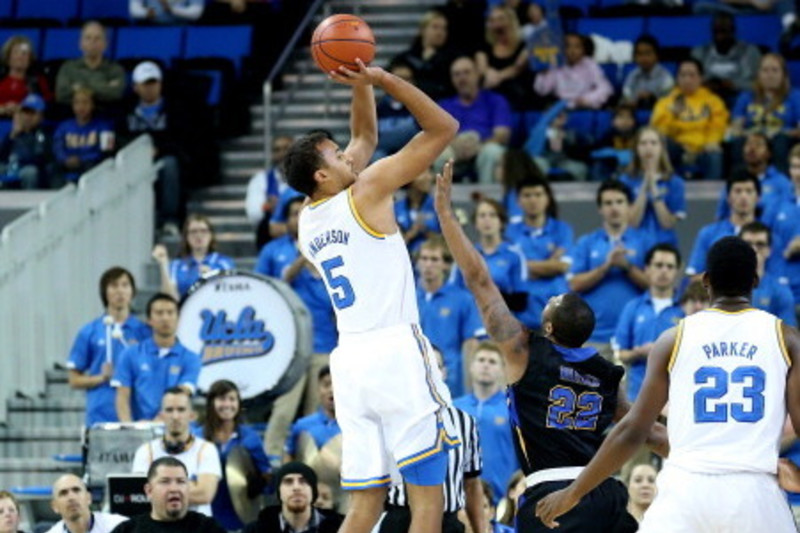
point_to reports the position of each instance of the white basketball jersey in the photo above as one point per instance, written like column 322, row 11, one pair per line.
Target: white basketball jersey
column 368, row 274
column 727, row 387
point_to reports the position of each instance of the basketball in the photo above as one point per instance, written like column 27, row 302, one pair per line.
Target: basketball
column 339, row 40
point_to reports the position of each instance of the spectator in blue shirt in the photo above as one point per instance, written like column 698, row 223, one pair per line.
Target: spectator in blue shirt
column 448, row 314
column 487, row 403
column 81, row 142
column 607, row 264
column 504, row 259
column 279, row 253
column 146, row 370
column 544, row 241
column 98, row 345
column 744, row 190
column 772, row 293
column 775, row 185
column 772, row 107
column 26, row 151
column 490, row 511
column 485, row 123
column 786, row 234
column 414, row 212
column 515, row 167
column 198, row 257
column 644, row 318
column 224, row 427
column 660, row 199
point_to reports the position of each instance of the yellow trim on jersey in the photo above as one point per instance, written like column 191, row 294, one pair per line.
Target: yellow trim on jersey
column 782, row 341
column 730, row 312
column 423, row 350
column 367, row 483
column 312, row 205
column 522, row 444
column 422, row 455
column 358, row 218
column 676, row 346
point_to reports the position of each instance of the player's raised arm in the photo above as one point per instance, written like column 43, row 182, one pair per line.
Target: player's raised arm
column 363, row 127
column 437, row 125
column 623, row 441
column 501, row 325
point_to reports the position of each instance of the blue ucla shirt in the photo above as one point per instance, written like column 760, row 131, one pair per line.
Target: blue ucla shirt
column 93, row 344
column 513, row 210
column 638, row 325
column 222, row 505
column 706, row 238
column 776, row 188
column 506, row 267
column 757, row 116
column 186, row 270
column 609, row 296
column 318, row 425
column 448, row 318
column 494, row 428
column 775, row 296
column 539, row 244
column 276, row 255
column 311, row 289
column 149, row 374
column 674, row 191
column 406, row 216
column 787, row 227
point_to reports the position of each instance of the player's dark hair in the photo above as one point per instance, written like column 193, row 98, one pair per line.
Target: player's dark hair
column 303, row 160
column 167, row 460
column 324, row 371
column 573, row 321
column 731, row 267
column 110, row 276
column 613, row 185
column 757, row 227
column 159, row 297
column 662, row 247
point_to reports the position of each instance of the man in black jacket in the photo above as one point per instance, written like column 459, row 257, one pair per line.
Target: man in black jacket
column 296, row 486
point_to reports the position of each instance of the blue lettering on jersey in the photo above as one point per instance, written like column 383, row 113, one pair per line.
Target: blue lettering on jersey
column 730, row 349
column 570, row 374
column 333, row 236
column 225, row 340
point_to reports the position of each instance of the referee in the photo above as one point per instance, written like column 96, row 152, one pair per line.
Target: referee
column 462, row 489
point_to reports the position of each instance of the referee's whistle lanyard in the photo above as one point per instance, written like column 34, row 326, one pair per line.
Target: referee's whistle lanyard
column 113, row 332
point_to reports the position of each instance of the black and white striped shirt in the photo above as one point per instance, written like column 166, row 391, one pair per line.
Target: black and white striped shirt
column 462, row 461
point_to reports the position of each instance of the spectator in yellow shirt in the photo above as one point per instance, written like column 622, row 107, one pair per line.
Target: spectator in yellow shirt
column 694, row 120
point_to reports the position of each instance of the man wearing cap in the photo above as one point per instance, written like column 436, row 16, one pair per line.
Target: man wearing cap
column 25, row 151
column 296, row 487
column 154, row 115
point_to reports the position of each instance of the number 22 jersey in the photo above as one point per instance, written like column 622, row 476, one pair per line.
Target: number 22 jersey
column 727, row 392
column 562, row 405
column 368, row 274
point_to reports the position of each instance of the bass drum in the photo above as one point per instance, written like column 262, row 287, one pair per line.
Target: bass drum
column 249, row 329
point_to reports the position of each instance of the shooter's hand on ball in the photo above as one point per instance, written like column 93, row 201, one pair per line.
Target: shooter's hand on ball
column 363, row 76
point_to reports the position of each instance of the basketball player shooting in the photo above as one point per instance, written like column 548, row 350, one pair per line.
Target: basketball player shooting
column 388, row 389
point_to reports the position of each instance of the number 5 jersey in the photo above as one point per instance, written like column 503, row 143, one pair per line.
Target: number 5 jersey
column 368, row 274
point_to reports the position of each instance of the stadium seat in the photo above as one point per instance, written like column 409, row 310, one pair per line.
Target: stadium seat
column 643, row 116
column 794, row 72
column 616, row 29
column 162, row 43
column 602, row 123
column 611, row 70
column 582, row 121
column 61, row 43
column 34, row 34
column 6, row 9
column 61, row 11
column 107, row 11
column 227, row 42
column 680, row 31
column 760, row 30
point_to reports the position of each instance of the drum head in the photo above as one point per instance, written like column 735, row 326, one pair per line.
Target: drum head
column 247, row 328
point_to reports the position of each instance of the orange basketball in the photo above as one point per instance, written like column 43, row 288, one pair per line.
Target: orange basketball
column 339, row 40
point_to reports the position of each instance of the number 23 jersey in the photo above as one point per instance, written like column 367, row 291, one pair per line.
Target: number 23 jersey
column 562, row 405
column 368, row 274
column 727, row 392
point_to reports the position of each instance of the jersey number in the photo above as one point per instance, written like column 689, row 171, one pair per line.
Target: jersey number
column 341, row 290
column 716, row 382
column 569, row 410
